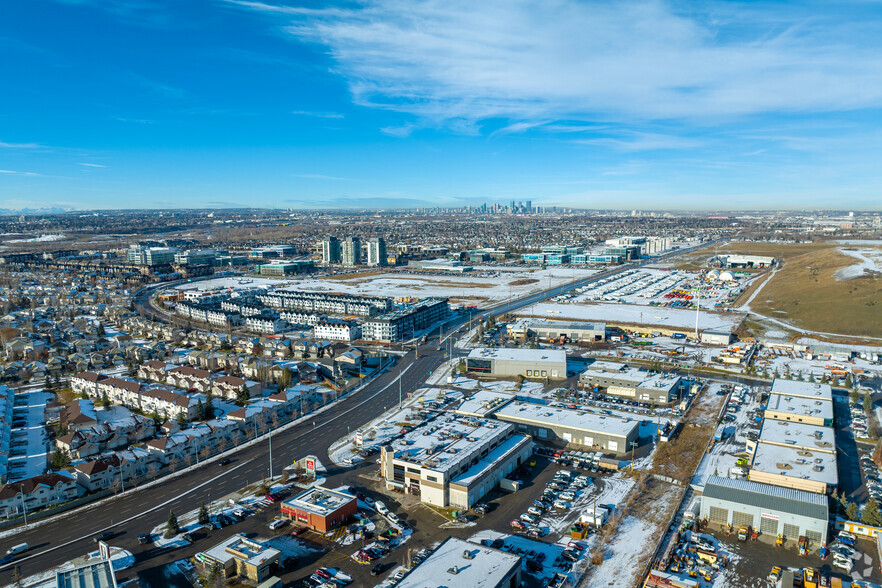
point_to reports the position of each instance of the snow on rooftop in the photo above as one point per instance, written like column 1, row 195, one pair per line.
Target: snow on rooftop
column 793, row 462
column 802, row 389
column 499, row 454
column 533, row 355
column 800, row 435
column 800, row 406
column 254, row 553
column 444, row 445
column 448, row 566
column 320, row 500
column 564, row 417
column 483, row 402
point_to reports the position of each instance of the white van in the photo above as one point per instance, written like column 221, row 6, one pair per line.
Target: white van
column 381, row 508
column 17, row 549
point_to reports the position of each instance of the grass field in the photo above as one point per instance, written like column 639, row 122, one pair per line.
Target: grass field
column 804, row 292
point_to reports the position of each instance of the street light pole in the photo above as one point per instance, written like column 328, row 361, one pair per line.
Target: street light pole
column 271, row 452
column 23, row 505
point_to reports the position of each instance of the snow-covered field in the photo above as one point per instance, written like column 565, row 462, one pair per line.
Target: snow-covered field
column 634, row 314
column 869, row 261
column 622, row 561
column 724, row 455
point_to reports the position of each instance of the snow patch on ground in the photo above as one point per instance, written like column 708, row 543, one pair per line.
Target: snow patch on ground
column 870, row 262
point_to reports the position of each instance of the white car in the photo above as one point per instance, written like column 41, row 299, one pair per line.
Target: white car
column 847, row 535
column 561, row 504
column 534, row 511
column 843, row 564
column 381, row 507
column 393, row 518
column 527, row 518
column 277, row 523
column 567, row 495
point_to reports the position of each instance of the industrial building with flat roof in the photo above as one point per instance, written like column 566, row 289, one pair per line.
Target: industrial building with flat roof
column 596, row 431
column 455, row 462
column 622, row 380
column 802, row 402
column 530, row 363
column 457, row 562
column 319, row 508
column 579, row 427
column 575, row 332
column 791, row 467
column 771, row 510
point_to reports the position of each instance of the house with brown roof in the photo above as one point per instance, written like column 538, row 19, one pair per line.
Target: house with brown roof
column 86, row 382
column 189, row 378
column 38, row 492
column 230, row 386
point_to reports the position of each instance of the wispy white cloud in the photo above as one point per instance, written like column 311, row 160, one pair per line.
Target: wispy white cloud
column 638, row 141
column 92, row 165
column 4, row 145
column 317, row 114
column 17, row 173
column 454, row 63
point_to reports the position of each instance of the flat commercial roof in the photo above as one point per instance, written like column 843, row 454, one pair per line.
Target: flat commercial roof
column 255, row 553
column 320, row 500
column 442, row 446
column 802, row 389
column 798, row 405
column 767, row 497
column 531, row 355
column 482, row 403
column 811, row 437
column 815, row 466
column 93, row 575
column 640, row 379
column 447, row 567
column 542, row 414
column 500, row 453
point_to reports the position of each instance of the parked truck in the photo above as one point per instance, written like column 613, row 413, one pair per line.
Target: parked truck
column 510, row 485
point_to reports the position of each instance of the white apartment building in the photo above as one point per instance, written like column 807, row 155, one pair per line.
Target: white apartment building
column 337, row 330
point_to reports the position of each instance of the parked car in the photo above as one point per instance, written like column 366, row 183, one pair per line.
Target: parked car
column 277, row 524
column 377, row 569
column 527, row 518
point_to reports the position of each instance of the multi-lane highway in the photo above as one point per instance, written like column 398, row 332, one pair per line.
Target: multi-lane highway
column 67, row 536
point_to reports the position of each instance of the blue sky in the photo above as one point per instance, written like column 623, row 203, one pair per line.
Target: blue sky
column 378, row 104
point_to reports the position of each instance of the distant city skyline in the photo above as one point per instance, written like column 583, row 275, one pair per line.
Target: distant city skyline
column 647, row 105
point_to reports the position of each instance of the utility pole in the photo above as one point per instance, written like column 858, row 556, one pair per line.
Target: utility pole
column 24, row 506
column 271, row 453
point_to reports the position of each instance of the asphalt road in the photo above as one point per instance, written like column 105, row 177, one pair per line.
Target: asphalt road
column 64, row 538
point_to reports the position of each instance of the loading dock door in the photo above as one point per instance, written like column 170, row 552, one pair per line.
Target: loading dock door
column 741, row 519
column 768, row 526
column 718, row 515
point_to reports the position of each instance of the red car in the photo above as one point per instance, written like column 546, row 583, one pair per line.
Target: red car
column 298, row 531
column 518, row 525
column 270, row 497
column 323, row 573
